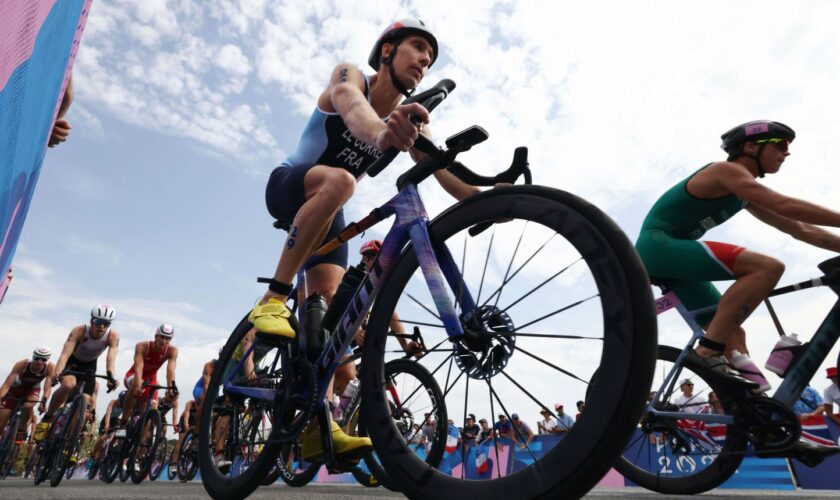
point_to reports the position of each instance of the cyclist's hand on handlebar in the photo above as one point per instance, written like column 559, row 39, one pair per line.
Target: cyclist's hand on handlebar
column 112, row 382
column 416, row 349
column 402, row 127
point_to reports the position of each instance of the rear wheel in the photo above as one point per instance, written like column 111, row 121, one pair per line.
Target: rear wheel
column 545, row 299
column 144, row 447
column 7, row 448
column 682, row 456
column 291, row 467
column 161, row 457
column 66, row 442
column 112, row 461
column 188, row 458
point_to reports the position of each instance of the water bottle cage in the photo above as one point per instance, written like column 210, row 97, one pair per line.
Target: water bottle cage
column 796, row 350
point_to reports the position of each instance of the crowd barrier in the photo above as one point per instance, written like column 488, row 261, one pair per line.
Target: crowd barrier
column 39, row 40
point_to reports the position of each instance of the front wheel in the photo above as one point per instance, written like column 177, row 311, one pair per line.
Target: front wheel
column 161, row 457
column 547, row 290
column 144, row 446
column 684, row 456
column 291, row 467
column 187, row 458
column 67, row 442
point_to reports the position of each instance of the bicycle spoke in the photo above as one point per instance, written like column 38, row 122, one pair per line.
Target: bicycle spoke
column 507, row 414
column 486, row 260
column 518, row 270
column 493, row 429
column 570, row 374
column 547, row 281
column 424, row 306
column 527, row 393
column 463, row 442
column 510, row 264
column 421, row 323
column 574, row 304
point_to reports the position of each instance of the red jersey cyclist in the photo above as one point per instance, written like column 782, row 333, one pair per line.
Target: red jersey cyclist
column 345, row 134
column 24, row 382
column 671, row 251
column 149, row 356
column 80, row 353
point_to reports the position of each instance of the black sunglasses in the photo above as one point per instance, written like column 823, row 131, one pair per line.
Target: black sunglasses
column 100, row 322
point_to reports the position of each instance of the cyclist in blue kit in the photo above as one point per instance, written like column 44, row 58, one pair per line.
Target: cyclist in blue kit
column 355, row 119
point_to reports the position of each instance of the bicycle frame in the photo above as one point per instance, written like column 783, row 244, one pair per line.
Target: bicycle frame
column 798, row 375
column 439, row 270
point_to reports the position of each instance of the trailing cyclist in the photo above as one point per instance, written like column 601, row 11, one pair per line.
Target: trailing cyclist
column 24, row 383
column 344, row 136
column 670, row 246
column 149, row 356
column 110, row 420
column 80, row 353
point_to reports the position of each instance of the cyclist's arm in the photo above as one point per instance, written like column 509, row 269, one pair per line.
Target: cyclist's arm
column 410, row 347
column 454, row 186
column 174, row 411
column 742, row 184
column 48, row 381
column 170, row 366
column 345, row 95
column 108, row 411
column 249, row 361
column 75, row 336
column 802, row 231
column 16, row 370
column 206, row 374
column 139, row 354
column 113, row 348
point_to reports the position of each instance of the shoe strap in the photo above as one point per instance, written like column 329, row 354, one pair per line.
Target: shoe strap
column 273, row 310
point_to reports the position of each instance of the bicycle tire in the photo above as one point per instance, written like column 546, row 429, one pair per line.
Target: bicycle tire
column 713, row 475
column 70, row 470
column 139, row 467
column 93, row 470
column 8, row 447
column 41, row 467
column 376, row 474
column 66, row 446
column 187, row 464
column 161, row 458
column 219, row 485
column 585, row 454
column 111, row 461
column 293, row 472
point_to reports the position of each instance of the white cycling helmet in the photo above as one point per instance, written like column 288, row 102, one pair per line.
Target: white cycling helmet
column 42, row 352
column 165, row 330
column 104, row 312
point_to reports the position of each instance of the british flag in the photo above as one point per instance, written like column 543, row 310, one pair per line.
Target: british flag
column 815, row 430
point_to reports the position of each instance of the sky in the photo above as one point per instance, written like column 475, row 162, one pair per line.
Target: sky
column 156, row 202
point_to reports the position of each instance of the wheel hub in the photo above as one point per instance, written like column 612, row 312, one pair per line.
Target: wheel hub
column 488, row 343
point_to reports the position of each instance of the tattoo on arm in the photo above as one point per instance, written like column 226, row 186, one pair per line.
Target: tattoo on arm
column 342, row 75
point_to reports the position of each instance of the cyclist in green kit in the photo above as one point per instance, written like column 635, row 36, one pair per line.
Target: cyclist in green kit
column 670, row 246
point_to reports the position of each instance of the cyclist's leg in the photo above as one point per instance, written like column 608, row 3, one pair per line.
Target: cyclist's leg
column 59, row 396
column 132, row 386
column 755, row 277
column 325, row 191
column 6, row 407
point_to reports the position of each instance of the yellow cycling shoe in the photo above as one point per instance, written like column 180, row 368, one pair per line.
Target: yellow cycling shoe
column 346, row 447
column 272, row 318
column 41, row 431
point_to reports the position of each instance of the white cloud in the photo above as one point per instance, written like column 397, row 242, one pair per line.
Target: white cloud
column 102, row 253
column 232, row 59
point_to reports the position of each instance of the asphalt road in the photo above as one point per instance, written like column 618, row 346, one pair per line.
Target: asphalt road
column 87, row 490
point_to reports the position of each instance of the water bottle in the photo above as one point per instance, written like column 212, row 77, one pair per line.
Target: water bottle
column 783, row 354
column 349, row 283
column 314, row 334
column 349, row 393
column 747, row 369
column 335, row 407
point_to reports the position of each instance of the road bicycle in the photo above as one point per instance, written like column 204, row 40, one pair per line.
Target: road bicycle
column 680, row 450
column 55, row 452
column 8, row 440
column 612, row 333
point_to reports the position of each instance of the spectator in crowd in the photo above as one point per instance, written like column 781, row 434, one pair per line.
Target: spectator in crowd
column 471, row 430
column 564, row 420
column 429, row 428
column 503, row 428
column 486, row 432
column 548, row 425
column 688, row 401
column 831, row 395
column 809, row 404
column 523, row 431
column 580, row 406
column 714, row 406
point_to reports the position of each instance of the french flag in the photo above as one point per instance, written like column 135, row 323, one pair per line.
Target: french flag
column 452, row 439
column 482, row 465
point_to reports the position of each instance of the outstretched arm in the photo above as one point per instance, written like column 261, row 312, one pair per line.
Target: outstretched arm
column 802, row 231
